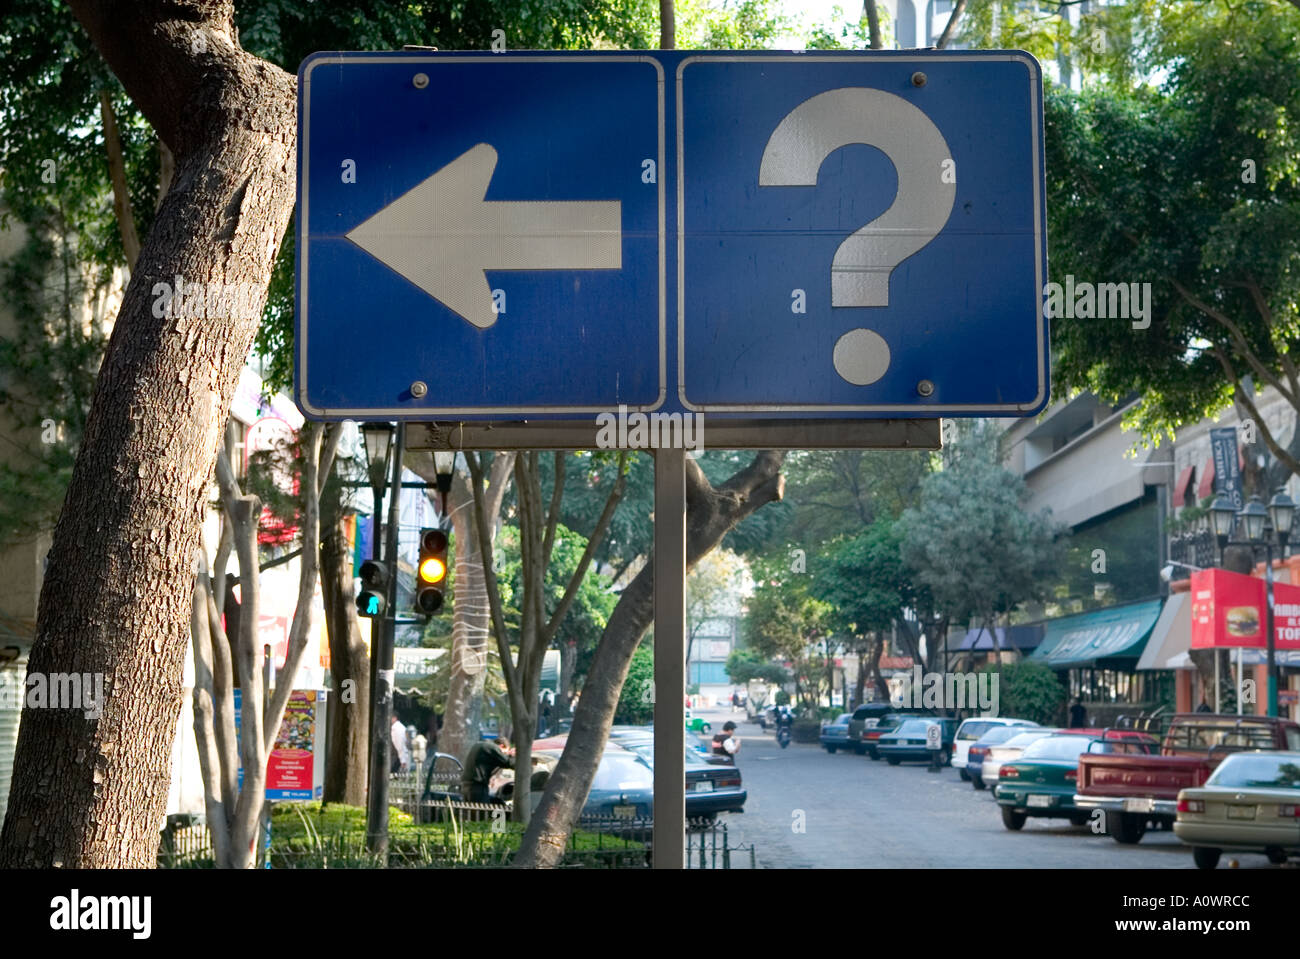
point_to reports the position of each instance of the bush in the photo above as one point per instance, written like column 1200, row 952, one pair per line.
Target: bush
column 1029, row 690
column 806, row 730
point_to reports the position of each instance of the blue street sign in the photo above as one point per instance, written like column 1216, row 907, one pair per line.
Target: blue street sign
column 553, row 236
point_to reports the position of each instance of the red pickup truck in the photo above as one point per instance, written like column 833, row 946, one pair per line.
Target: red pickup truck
column 1133, row 790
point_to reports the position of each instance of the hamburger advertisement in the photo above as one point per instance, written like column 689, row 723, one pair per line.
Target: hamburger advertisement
column 1230, row 610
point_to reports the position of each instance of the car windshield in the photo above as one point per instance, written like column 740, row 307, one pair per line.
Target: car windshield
column 912, row 727
column 1057, row 747
column 1199, row 734
column 622, row 770
column 999, row 734
column 973, row 730
column 842, row 719
column 1255, row 771
column 1024, row 739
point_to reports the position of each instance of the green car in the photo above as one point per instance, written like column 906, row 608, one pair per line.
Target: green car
column 695, row 724
column 1042, row 781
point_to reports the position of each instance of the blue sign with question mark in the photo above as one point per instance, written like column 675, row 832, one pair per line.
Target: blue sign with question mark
column 840, row 234
column 863, row 235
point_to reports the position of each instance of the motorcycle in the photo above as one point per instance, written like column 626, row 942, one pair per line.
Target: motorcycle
column 783, row 735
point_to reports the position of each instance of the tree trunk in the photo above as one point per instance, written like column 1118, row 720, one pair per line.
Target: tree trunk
column 118, row 593
column 950, row 29
column 710, row 514
column 882, row 687
column 349, row 710
column 873, row 24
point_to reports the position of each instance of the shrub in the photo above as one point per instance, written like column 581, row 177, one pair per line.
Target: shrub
column 1029, row 690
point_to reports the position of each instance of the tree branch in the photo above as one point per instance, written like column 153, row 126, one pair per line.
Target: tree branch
column 593, row 541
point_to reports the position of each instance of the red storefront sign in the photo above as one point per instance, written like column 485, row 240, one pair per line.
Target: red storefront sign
column 1228, row 610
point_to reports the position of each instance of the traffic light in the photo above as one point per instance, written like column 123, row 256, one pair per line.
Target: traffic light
column 374, row 583
column 431, row 574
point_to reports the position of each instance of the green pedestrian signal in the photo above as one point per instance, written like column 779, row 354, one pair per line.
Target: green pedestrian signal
column 374, row 582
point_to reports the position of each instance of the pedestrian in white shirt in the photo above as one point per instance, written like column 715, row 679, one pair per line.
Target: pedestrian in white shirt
column 401, row 758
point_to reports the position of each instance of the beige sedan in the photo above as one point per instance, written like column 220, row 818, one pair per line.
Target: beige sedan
column 1251, row 803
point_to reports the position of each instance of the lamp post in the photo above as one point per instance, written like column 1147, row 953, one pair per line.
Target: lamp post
column 444, row 463
column 378, row 439
column 1256, row 520
column 382, row 639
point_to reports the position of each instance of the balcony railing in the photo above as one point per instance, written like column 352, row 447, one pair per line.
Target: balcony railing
column 1195, row 548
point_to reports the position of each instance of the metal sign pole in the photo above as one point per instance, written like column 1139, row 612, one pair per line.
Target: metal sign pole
column 670, row 659
column 382, row 653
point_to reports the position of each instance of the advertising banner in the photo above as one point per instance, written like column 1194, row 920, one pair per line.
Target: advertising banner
column 295, row 768
column 1228, row 611
column 1227, row 465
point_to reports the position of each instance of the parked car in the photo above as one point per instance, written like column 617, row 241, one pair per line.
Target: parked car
column 1250, row 803
column 1138, row 789
column 623, row 787
column 969, row 732
column 836, row 735
column 866, row 717
column 710, row 788
column 908, row 741
column 885, row 724
column 978, row 750
column 696, row 724
column 1008, row 751
column 1041, row 782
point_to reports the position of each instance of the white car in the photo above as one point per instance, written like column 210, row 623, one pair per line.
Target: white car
column 1008, row 751
column 971, row 730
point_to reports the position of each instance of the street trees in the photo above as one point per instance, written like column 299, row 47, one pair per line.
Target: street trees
column 539, row 621
column 971, row 541
column 1192, row 186
column 864, row 581
column 117, row 597
column 711, row 512
column 786, row 621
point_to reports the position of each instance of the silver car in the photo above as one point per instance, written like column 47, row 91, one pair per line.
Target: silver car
column 1250, row 803
column 1008, row 751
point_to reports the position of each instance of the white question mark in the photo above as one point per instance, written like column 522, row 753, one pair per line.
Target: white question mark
column 860, row 272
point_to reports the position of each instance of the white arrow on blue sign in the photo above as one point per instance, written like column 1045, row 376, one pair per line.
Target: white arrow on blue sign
column 744, row 234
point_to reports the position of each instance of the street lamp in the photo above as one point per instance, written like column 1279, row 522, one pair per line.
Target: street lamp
column 1222, row 516
column 1256, row 520
column 444, row 463
column 379, row 444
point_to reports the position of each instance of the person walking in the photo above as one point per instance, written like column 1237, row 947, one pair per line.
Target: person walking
column 400, row 758
column 1078, row 715
column 484, row 759
column 727, row 743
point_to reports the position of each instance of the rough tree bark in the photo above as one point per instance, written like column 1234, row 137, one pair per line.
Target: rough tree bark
column 710, row 514
column 118, row 592
column 349, row 712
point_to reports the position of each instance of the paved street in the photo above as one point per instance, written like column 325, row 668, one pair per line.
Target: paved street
column 859, row 813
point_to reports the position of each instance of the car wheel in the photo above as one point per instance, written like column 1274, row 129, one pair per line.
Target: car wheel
column 1079, row 818
column 978, row 783
column 831, row 750
column 1128, row 829
column 875, row 756
column 945, row 757
column 964, row 774
column 1013, row 820
column 706, row 727
column 893, row 760
column 1276, row 856
column 1206, row 857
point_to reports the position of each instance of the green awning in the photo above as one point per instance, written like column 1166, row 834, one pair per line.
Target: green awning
column 1110, row 638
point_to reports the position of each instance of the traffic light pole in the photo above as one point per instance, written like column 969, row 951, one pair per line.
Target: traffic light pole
column 382, row 654
column 670, row 659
